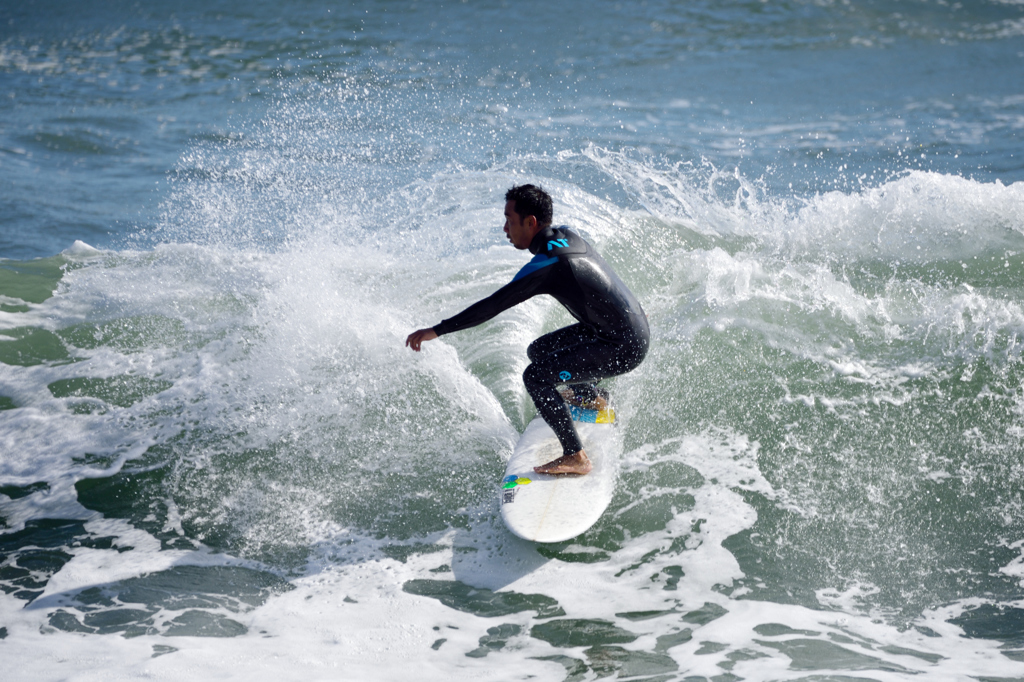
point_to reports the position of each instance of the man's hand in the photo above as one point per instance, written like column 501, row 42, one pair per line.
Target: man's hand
column 419, row 336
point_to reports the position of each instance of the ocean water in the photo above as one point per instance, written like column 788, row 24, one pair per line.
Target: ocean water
column 221, row 219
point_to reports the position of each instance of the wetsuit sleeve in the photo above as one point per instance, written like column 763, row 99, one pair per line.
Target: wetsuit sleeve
column 521, row 288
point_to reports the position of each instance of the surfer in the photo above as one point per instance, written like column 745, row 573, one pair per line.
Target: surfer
column 609, row 339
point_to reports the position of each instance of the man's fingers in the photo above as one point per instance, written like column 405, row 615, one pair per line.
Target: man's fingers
column 415, row 339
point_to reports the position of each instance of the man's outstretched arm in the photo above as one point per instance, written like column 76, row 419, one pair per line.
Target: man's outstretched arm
column 419, row 336
column 513, row 293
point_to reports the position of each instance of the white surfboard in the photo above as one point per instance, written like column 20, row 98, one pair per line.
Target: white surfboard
column 546, row 508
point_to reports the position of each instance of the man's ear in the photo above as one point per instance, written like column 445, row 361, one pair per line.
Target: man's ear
column 531, row 222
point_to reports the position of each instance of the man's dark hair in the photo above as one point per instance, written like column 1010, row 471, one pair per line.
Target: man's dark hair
column 532, row 200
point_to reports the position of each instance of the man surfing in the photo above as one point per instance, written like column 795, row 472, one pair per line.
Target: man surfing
column 611, row 337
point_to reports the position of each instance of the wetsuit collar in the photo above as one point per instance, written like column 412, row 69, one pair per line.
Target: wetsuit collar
column 541, row 239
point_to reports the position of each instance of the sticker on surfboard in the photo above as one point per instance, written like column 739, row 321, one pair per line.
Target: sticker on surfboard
column 582, row 414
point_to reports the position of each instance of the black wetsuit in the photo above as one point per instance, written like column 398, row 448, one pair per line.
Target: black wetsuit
column 611, row 337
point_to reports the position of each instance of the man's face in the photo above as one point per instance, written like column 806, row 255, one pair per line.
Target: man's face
column 520, row 231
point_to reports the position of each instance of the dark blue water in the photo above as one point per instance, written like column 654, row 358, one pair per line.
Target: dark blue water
column 101, row 102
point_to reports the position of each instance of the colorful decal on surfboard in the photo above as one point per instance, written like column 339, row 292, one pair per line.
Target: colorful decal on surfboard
column 510, row 485
column 581, row 414
column 511, row 481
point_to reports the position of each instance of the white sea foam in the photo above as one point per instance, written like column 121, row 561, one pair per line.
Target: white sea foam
column 354, row 620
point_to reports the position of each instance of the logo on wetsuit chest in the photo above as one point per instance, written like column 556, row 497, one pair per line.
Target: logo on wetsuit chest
column 557, row 244
column 564, row 376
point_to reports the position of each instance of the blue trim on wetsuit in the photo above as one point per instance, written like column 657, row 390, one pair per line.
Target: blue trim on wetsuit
column 539, row 261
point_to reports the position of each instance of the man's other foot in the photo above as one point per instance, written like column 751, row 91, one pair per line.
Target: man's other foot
column 599, row 403
column 567, row 465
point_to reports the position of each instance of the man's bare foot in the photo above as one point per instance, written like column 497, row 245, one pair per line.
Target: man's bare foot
column 598, row 403
column 577, row 465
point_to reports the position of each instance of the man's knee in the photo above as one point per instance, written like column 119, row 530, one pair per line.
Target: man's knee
column 539, row 381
